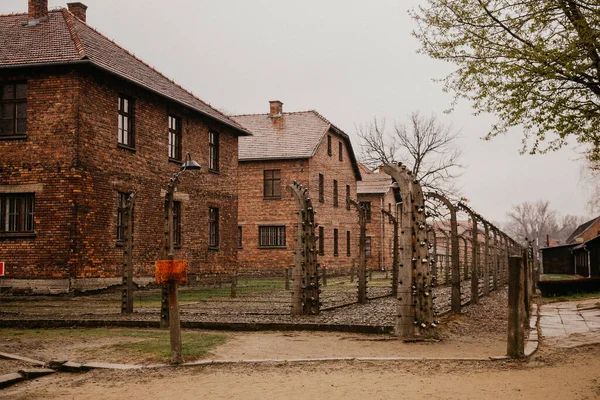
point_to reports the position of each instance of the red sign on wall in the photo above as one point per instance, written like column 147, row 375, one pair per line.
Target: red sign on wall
column 1, row 268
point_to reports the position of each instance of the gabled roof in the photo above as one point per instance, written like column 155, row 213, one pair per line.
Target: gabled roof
column 293, row 135
column 581, row 229
column 373, row 182
column 64, row 39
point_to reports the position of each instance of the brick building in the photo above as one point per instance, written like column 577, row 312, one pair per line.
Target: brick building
column 86, row 123
column 375, row 193
column 287, row 147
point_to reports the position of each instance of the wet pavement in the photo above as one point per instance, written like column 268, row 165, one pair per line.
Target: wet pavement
column 570, row 324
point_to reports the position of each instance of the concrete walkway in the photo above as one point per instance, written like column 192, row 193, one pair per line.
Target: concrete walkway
column 570, row 324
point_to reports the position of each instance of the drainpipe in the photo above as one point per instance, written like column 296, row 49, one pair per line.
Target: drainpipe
column 382, row 255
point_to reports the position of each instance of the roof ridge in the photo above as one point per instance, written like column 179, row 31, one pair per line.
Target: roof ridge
column 68, row 16
column 259, row 114
column 13, row 14
column 151, row 67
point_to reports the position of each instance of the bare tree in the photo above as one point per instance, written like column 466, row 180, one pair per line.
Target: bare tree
column 532, row 221
column 425, row 145
column 590, row 183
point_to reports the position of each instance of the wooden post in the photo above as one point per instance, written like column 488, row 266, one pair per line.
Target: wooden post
column 127, row 293
column 453, row 249
column 516, row 305
column 174, row 323
column 234, row 284
column 496, row 260
column 395, row 254
column 287, row 279
column 474, row 254
column 486, row 260
column 362, row 257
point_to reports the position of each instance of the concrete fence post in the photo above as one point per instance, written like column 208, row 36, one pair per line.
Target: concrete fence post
column 516, row 308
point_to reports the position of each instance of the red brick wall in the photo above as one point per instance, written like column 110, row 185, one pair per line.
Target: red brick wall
column 380, row 230
column 72, row 128
column 254, row 210
column 45, row 159
column 330, row 217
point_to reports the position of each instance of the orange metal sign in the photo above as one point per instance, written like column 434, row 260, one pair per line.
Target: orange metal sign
column 171, row 271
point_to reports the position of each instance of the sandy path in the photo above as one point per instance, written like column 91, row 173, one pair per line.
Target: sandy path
column 568, row 374
column 280, row 345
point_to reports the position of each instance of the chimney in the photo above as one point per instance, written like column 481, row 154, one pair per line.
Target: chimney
column 276, row 108
column 38, row 9
column 78, row 10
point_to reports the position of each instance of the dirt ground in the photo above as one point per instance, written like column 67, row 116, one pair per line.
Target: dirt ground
column 552, row 373
column 556, row 374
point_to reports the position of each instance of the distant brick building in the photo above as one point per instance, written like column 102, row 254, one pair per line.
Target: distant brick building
column 375, row 193
column 287, row 147
column 86, row 123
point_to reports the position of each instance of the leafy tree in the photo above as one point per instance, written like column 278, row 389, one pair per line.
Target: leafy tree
column 530, row 62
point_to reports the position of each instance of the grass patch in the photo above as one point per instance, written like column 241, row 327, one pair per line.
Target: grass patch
column 245, row 287
column 149, row 344
column 571, row 297
column 559, row 277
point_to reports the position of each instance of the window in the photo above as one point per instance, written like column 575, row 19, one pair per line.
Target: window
column 335, row 193
column 239, row 237
column 321, row 188
column 340, row 151
column 272, row 188
column 271, row 236
column 13, row 109
column 366, row 205
column 368, row 246
column 174, row 138
column 321, row 241
column 16, row 213
column 126, row 112
column 335, row 242
column 348, row 243
column 177, row 224
column 213, row 227
column 213, row 151
column 122, row 199
column 347, row 197
column 329, row 152
column 390, row 211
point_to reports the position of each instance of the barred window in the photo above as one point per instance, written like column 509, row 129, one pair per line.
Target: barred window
column 335, row 242
column 368, row 246
column 126, row 136
column 335, row 193
column 174, row 138
column 348, row 243
column 347, row 197
column 271, row 236
column 213, row 151
column 321, row 241
column 122, row 204
column 213, row 227
column 13, row 110
column 366, row 205
column 321, row 188
column 340, row 151
column 329, row 152
column 16, row 212
column 272, row 184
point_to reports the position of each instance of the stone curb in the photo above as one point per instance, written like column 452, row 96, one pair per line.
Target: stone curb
column 533, row 343
column 215, row 326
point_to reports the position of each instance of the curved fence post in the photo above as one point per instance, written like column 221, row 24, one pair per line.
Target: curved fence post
column 362, row 256
column 474, row 253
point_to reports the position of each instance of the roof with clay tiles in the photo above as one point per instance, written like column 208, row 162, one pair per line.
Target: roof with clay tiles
column 64, row 39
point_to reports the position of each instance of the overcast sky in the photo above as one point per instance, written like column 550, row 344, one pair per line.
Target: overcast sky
column 351, row 60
